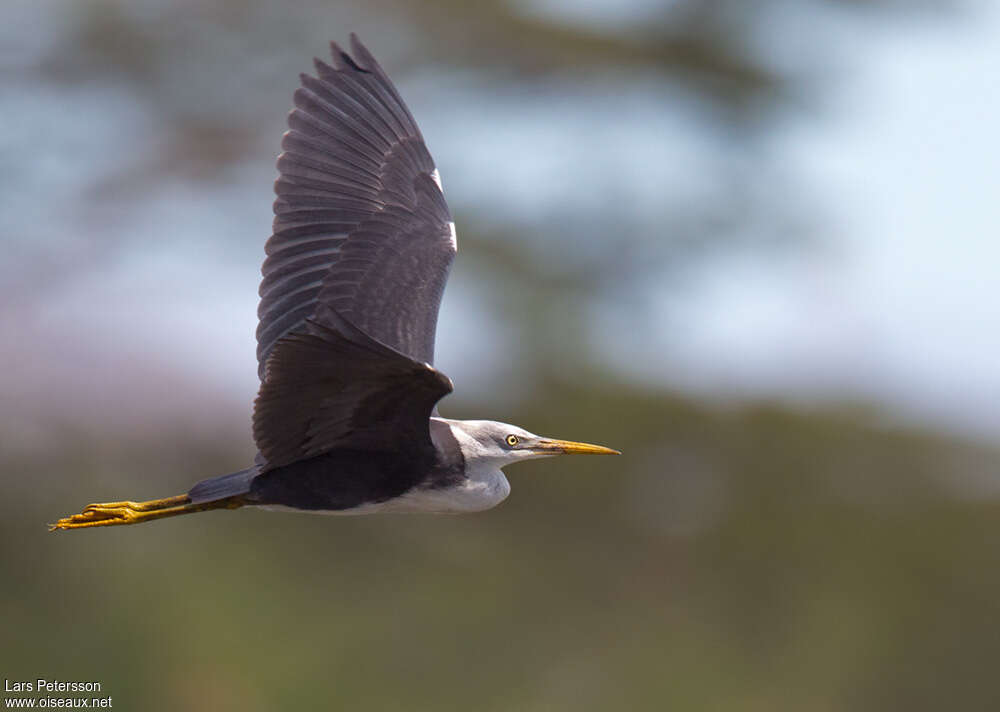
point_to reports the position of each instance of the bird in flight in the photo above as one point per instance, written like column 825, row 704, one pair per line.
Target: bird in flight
column 346, row 418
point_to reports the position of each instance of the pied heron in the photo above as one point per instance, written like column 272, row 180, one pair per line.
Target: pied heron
column 346, row 418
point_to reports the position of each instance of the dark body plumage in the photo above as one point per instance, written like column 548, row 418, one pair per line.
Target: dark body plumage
column 347, row 478
column 355, row 271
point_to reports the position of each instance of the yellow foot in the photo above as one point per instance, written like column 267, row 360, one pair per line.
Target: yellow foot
column 116, row 513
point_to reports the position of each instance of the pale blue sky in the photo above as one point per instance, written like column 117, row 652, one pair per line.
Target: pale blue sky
column 897, row 306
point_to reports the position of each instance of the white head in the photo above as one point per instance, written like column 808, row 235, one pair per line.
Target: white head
column 500, row 444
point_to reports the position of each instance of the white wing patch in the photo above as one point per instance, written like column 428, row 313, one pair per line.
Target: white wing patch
column 451, row 226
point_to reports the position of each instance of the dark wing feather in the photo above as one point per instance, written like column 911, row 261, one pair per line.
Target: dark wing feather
column 331, row 385
column 361, row 225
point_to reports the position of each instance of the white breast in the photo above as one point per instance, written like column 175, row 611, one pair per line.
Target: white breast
column 475, row 494
column 484, row 487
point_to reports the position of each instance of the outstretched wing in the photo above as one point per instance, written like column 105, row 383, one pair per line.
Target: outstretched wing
column 331, row 385
column 361, row 226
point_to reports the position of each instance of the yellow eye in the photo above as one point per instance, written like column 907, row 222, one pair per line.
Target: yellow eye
column 512, row 440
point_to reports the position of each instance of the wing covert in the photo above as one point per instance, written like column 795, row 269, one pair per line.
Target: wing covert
column 331, row 385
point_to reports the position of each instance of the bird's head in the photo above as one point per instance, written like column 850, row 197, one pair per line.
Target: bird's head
column 502, row 444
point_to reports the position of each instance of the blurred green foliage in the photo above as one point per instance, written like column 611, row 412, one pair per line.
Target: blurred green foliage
column 732, row 558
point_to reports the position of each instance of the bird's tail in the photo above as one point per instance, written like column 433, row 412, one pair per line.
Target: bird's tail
column 114, row 513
